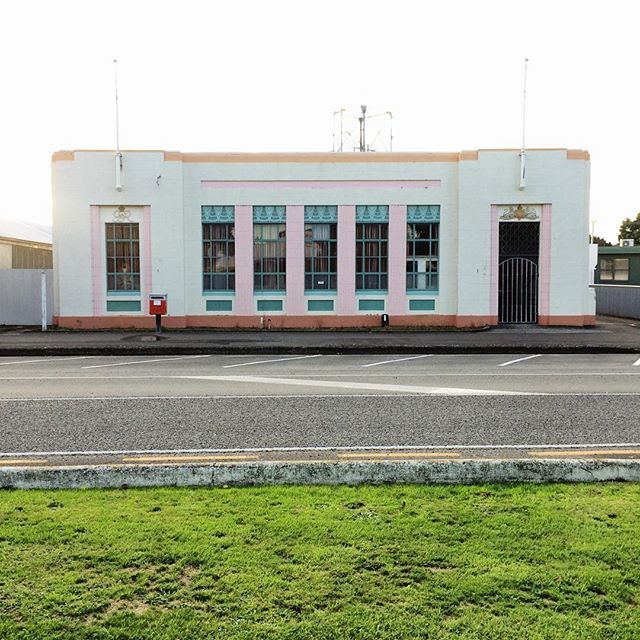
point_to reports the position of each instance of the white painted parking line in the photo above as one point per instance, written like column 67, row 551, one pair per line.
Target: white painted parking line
column 506, row 364
column 376, row 364
column 368, row 386
column 246, row 364
column 124, row 364
column 392, row 447
column 637, row 363
column 4, row 364
column 282, row 396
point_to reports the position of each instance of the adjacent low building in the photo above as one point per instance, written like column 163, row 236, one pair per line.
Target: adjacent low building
column 25, row 245
column 618, row 265
column 308, row 240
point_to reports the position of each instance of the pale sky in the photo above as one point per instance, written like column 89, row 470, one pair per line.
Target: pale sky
column 242, row 75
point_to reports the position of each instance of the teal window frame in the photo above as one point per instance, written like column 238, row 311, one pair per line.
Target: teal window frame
column 372, row 256
column 122, row 306
column 321, row 256
column 422, row 305
column 122, row 256
column 270, row 305
column 269, row 257
column 423, row 240
column 218, row 256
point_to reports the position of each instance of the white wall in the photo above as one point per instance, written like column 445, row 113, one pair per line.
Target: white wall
column 467, row 191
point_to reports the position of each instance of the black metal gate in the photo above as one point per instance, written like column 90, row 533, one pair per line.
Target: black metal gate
column 518, row 291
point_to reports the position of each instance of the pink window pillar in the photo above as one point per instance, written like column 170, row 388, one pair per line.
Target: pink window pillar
column 147, row 283
column 294, row 305
column 493, row 293
column 545, row 260
column 98, row 286
column 346, row 260
column 397, row 301
column 243, row 227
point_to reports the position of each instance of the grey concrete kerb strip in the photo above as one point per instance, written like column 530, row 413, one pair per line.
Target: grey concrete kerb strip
column 307, row 473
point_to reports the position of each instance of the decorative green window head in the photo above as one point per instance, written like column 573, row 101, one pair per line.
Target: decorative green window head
column 218, row 213
column 423, row 213
column 372, row 213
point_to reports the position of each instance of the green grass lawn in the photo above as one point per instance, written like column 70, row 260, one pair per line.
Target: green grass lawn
column 520, row 561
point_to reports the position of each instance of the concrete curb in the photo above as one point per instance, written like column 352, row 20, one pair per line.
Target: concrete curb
column 331, row 473
column 253, row 349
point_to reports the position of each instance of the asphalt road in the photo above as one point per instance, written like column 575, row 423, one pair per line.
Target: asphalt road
column 214, row 408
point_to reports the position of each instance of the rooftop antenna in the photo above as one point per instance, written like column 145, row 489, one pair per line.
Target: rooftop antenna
column 335, row 113
column 118, row 154
column 523, row 155
column 361, row 120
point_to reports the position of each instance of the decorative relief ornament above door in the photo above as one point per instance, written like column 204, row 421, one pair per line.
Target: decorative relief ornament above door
column 520, row 213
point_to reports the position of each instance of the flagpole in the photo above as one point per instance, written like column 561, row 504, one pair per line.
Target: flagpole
column 523, row 155
column 118, row 153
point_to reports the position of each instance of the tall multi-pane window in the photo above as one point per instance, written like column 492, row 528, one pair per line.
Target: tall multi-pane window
column 269, row 257
column 123, row 256
column 320, row 256
column 422, row 256
column 371, row 255
column 218, row 251
column 423, row 250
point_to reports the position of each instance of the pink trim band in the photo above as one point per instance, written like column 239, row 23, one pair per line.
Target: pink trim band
column 320, row 184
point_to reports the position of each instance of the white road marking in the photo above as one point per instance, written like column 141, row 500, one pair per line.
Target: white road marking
column 637, row 363
column 218, row 397
column 52, row 359
column 441, row 374
column 506, row 364
column 376, row 364
column 369, row 386
column 393, row 447
column 283, row 396
column 246, row 364
column 124, row 364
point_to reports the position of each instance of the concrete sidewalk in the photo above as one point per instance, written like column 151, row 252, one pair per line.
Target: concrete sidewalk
column 611, row 335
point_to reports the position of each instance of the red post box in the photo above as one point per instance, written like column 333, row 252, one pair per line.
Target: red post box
column 158, row 304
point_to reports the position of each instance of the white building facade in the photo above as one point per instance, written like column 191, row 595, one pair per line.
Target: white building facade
column 312, row 240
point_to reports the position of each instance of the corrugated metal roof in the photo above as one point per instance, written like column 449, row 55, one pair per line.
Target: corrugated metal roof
column 25, row 231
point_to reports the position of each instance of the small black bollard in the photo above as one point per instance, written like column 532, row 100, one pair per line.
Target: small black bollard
column 384, row 320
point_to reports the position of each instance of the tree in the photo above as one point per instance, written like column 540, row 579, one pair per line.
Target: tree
column 601, row 242
column 630, row 229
